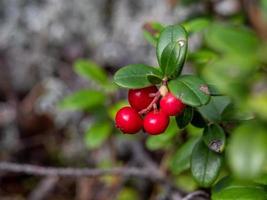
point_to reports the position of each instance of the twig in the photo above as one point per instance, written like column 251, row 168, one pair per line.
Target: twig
column 78, row 172
column 43, row 188
column 191, row 196
column 150, row 106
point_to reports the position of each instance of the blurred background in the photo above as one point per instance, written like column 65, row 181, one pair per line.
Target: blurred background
column 41, row 42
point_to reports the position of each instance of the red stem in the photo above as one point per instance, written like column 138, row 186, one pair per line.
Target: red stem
column 150, row 106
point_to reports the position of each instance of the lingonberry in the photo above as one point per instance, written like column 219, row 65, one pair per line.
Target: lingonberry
column 128, row 120
column 139, row 99
column 156, row 122
column 171, row 105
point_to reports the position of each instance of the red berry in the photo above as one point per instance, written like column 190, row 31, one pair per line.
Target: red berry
column 128, row 120
column 139, row 99
column 156, row 122
column 171, row 105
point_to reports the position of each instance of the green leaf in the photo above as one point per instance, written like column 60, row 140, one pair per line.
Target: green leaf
column 97, row 134
column 228, row 189
column 231, row 39
column 235, row 113
column 135, row 76
column 214, row 109
column 234, row 69
column 191, row 90
column 247, row 150
column 170, row 34
column 202, row 57
column 83, row 99
column 163, row 140
column 90, row 70
column 196, row 25
column 173, row 58
column 214, row 138
column 205, row 164
column 181, row 159
column 151, row 32
column 154, row 79
column 185, row 117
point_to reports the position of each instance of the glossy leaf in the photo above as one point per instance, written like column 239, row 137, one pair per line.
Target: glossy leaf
column 181, row 159
column 90, row 70
column 97, row 134
column 191, row 90
column 163, row 140
column 176, row 34
column 214, row 138
column 247, row 150
column 205, row 164
column 183, row 119
column 214, row 109
column 83, row 99
column 173, row 58
column 228, row 189
column 135, row 76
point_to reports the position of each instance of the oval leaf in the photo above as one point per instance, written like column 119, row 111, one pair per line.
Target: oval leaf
column 90, row 70
column 173, row 58
column 181, row 159
column 191, row 90
column 214, row 138
column 83, row 99
column 135, row 76
column 247, row 150
column 205, row 164
column 185, row 117
column 228, row 189
column 214, row 109
column 170, row 34
column 96, row 135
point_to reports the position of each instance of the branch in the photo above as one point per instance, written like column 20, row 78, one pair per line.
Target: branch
column 78, row 172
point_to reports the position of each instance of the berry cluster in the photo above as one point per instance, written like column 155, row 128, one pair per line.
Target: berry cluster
column 143, row 111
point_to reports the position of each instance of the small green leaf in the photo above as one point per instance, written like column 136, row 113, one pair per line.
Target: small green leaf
column 97, row 134
column 202, row 57
column 163, row 140
column 191, row 90
column 214, row 138
column 83, row 99
column 173, row 58
column 228, row 189
column 196, row 25
column 205, row 164
column 151, row 32
column 214, row 109
column 135, row 76
column 247, row 152
column 170, row 34
column 185, row 117
column 154, row 79
column 181, row 159
column 90, row 70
